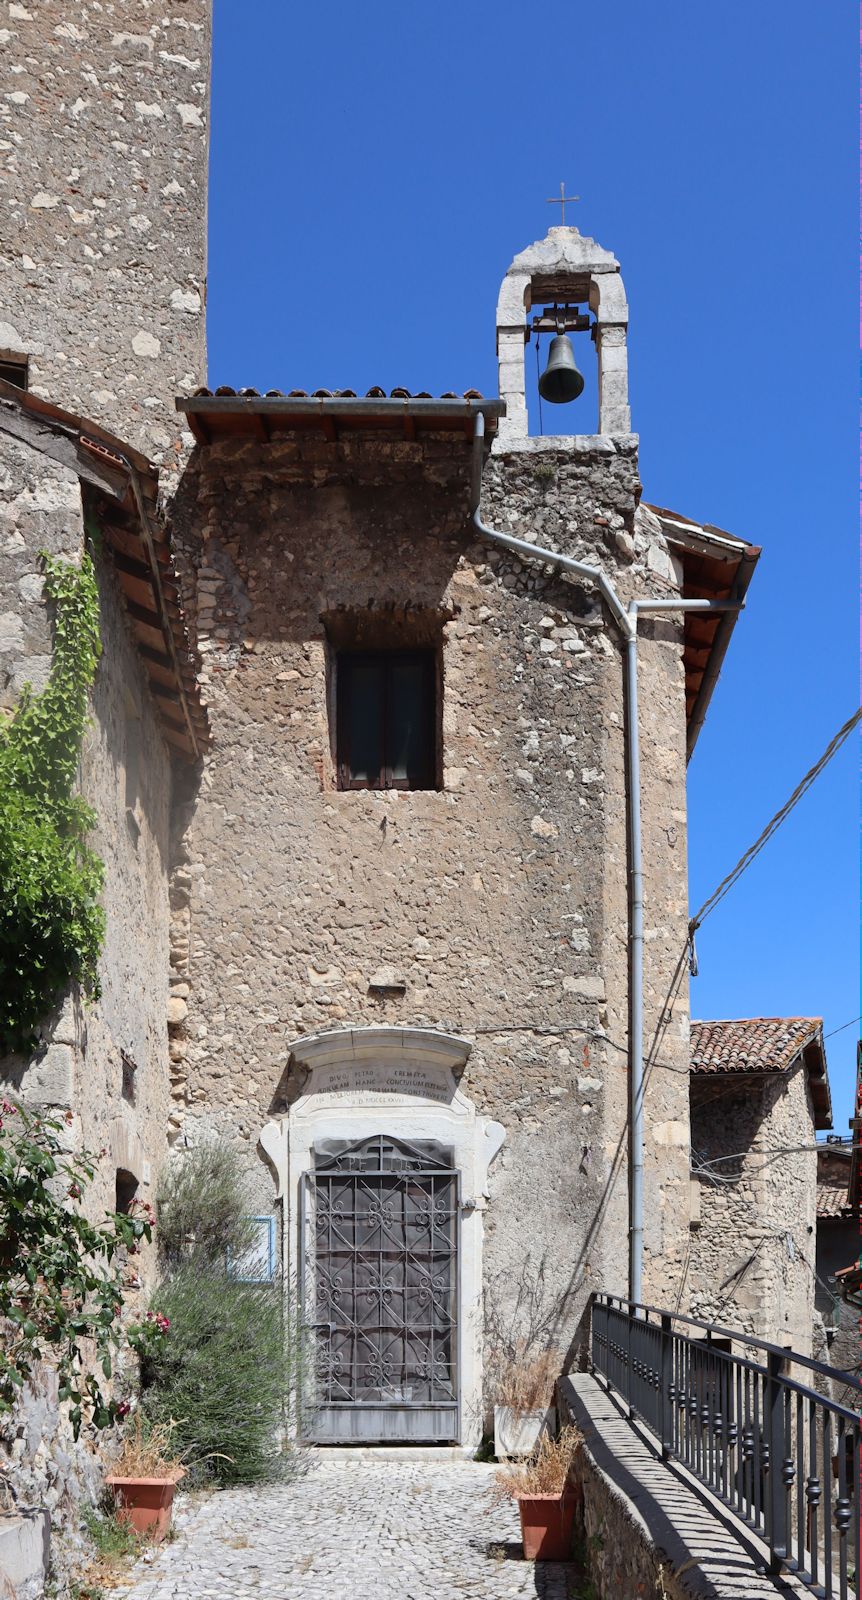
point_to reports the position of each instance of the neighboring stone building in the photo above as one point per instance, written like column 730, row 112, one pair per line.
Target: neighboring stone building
column 102, row 221
column 839, row 1247
column 759, row 1093
column 387, row 872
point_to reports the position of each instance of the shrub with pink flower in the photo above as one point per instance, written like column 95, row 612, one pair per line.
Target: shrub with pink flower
column 61, row 1291
column 147, row 1337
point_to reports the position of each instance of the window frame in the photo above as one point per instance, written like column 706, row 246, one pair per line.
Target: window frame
column 15, row 369
column 429, row 658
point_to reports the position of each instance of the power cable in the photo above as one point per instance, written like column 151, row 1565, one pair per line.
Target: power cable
column 771, row 827
column 833, row 1031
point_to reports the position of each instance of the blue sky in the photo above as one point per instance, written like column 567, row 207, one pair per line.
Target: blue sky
column 374, row 170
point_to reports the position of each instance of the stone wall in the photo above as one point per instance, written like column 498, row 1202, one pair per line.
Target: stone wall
column 752, row 1253
column 499, row 902
column 79, row 1064
column 103, row 131
column 642, row 1529
column 41, row 509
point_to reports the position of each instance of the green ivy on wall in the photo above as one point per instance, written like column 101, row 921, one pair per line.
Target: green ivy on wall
column 51, row 924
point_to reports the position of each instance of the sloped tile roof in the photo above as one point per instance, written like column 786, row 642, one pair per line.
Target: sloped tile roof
column 755, row 1045
column 750, row 1044
column 832, row 1199
column 833, row 1180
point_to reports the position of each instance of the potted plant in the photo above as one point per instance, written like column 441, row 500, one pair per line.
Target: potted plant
column 523, row 1388
column 546, row 1500
column 144, row 1477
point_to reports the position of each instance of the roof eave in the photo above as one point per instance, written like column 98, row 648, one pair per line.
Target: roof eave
column 126, row 484
column 724, row 633
column 814, row 1056
column 702, row 539
column 330, row 410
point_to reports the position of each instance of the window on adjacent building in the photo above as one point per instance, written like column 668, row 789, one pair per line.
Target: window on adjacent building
column 386, row 719
column 126, row 1189
column 14, row 368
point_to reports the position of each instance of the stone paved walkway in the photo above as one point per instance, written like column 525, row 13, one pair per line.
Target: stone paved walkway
column 363, row 1530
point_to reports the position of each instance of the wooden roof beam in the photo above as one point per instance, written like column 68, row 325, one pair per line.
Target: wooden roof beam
column 63, row 445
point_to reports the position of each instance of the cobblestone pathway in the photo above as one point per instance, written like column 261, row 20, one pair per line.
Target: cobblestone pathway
column 361, row 1530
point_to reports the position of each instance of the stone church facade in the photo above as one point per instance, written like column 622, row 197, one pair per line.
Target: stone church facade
column 360, row 769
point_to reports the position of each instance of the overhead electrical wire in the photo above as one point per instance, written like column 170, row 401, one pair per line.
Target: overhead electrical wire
column 771, row 827
column 832, row 1031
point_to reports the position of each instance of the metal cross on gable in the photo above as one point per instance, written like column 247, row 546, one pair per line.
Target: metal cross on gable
column 563, row 201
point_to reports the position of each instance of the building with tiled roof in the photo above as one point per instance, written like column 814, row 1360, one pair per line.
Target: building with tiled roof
column 834, row 1203
column 839, row 1250
column 758, row 1045
column 759, row 1093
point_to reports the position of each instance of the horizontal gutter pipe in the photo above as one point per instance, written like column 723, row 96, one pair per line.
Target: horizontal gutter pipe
column 337, row 406
column 642, row 607
column 627, row 621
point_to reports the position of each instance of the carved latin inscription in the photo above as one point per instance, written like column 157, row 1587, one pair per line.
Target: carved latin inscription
column 375, row 1082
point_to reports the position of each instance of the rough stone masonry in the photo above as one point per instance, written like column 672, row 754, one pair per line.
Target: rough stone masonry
column 103, row 166
column 496, row 904
column 251, row 901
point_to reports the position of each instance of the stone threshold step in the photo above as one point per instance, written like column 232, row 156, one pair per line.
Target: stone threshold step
column 390, row 1452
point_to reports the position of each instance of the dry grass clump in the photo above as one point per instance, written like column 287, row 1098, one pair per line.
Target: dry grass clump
column 146, row 1451
column 524, row 1382
column 544, row 1472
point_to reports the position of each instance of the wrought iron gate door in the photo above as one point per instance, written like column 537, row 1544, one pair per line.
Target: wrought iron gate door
column 379, row 1269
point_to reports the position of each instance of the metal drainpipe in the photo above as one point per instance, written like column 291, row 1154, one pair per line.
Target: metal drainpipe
column 636, row 962
column 580, row 569
column 627, row 621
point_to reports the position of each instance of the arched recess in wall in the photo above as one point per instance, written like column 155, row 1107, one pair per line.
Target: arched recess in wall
column 565, row 266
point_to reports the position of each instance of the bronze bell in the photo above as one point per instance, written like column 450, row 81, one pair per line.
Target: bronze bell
column 561, row 380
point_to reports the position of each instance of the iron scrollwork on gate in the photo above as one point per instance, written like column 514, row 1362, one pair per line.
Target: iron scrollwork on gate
column 380, row 1233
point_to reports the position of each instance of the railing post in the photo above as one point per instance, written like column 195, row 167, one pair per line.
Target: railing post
column 628, row 1358
column 666, row 1386
column 598, row 1333
column 777, row 1491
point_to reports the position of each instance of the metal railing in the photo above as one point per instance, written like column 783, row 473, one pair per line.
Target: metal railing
column 744, row 1418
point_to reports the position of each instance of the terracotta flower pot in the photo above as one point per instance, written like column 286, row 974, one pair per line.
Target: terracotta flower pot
column 146, row 1502
column 546, row 1525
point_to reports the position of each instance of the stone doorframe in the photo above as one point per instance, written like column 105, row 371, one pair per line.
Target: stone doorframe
column 400, row 1082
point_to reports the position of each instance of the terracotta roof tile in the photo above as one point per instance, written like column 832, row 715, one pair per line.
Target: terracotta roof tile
column 833, row 1181
column 755, row 1045
column 832, row 1198
column 376, row 393
column 751, row 1044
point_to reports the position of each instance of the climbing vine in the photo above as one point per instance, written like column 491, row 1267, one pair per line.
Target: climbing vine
column 51, row 924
